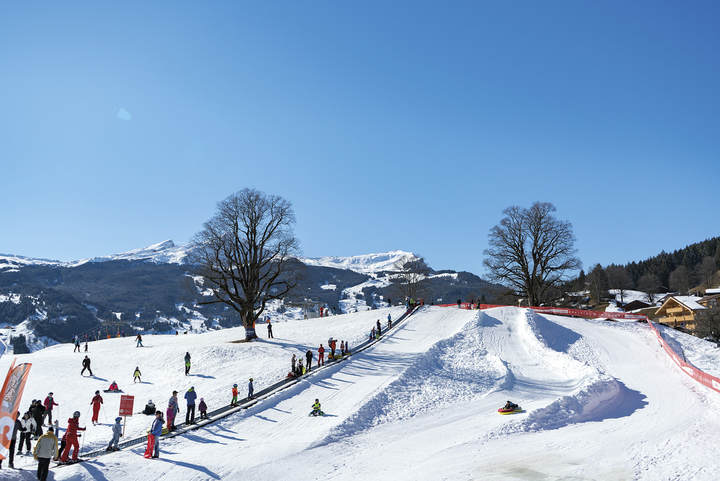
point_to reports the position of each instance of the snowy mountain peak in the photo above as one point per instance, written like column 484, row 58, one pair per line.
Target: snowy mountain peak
column 364, row 264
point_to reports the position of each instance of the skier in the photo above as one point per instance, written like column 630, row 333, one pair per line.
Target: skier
column 321, row 356
column 137, row 375
column 77, row 344
column 86, row 365
column 190, row 396
column 96, row 402
column 250, row 389
column 176, row 409
column 116, row 432
column 233, row 401
column 113, row 387
column 72, row 437
column 269, row 327
column 187, row 363
column 316, row 409
column 139, row 341
column 309, row 357
column 202, row 407
column 153, row 446
column 45, row 449
column 86, row 346
column 17, row 426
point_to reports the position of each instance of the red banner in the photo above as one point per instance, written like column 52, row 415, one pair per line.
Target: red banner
column 9, row 401
column 126, row 405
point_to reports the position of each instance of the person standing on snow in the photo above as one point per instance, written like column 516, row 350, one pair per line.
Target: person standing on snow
column 77, row 344
column 292, row 363
column 72, row 437
column 27, row 427
column 45, row 449
column 269, row 327
column 251, row 389
column 116, row 432
column 96, row 402
column 13, row 438
column 170, row 414
column 187, row 363
column 389, row 321
column 139, row 341
column 137, row 375
column 154, row 437
column 38, row 415
column 309, row 357
column 202, row 407
column 86, row 365
column 379, row 328
column 176, row 409
column 321, row 356
column 190, row 397
column 233, row 401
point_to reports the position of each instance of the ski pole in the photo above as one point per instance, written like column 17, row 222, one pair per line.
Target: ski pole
column 86, row 414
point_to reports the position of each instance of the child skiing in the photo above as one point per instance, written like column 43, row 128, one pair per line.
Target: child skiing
column 138, row 339
column 187, row 363
column 202, row 407
column 96, row 402
column 137, row 374
column 116, row 432
column 233, row 401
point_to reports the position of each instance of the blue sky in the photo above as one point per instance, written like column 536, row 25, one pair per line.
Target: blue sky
column 388, row 125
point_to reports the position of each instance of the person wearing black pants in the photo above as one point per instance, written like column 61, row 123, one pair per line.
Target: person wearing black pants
column 45, row 449
column 13, row 438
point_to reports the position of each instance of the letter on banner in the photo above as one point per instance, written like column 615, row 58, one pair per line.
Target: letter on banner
column 9, row 402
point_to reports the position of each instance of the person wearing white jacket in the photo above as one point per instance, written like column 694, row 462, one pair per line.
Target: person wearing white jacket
column 27, row 427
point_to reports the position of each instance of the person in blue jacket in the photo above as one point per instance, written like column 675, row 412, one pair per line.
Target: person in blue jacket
column 156, row 430
column 190, row 397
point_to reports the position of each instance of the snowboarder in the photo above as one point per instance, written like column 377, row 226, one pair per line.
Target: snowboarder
column 96, row 402
column 153, row 445
column 45, row 449
column 233, row 401
column 309, row 357
column 72, row 437
column 316, row 409
column 269, row 328
column 149, row 408
column 321, row 356
column 86, row 365
column 17, row 425
column 116, row 433
column 137, row 375
column 139, row 341
column 202, row 407
column 187, row 363
column 251, row 389
column 176, row 409
column 190, row 396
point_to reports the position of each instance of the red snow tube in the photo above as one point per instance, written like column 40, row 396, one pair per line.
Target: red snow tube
column 510, row 411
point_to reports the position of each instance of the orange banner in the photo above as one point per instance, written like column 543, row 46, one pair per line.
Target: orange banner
column 9, row 402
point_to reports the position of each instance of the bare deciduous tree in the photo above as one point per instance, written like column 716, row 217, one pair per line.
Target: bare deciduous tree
column 410, row 276
column 619, row 279
column 708, row 325
column 681, row 279
column 246, row 254
column 650, row 285
column 531, row 250
column 707, row 272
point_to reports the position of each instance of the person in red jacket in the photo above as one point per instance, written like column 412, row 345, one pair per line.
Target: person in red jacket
column 72, row 437
column 49, row 403
column 96, row 402
column 321, row 356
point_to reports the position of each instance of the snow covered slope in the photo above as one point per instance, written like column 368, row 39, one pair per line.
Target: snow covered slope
column 601, row 400
column 365, row 264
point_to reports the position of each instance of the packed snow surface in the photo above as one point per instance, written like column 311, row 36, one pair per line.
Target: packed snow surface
column 601, row 400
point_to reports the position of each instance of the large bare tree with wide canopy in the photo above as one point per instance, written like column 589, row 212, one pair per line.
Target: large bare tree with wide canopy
column 246, row 254
column 531, row 251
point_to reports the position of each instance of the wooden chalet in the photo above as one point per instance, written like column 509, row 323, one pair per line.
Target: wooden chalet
column 686, row 311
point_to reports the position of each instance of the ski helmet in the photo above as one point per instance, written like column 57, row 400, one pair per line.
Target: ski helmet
column 317, row 400
column 234, row 385
column 150, row 401
column 118, row 419
column 251, row 379
column 97, row 392
column 50, row 394
column 76, row 414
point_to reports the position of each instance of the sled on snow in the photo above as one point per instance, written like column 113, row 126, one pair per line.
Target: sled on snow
column 514, row 410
